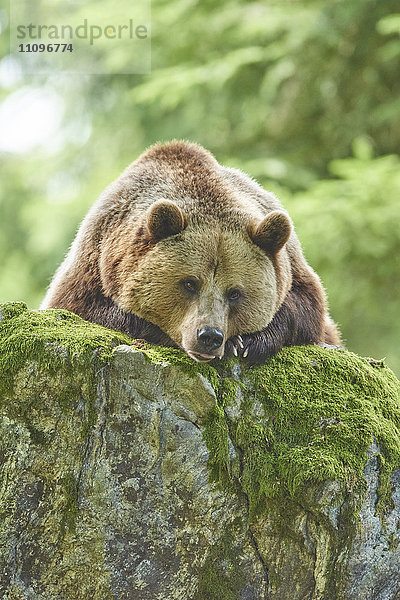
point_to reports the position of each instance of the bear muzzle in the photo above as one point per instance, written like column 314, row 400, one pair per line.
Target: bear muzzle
column 209, row 341
column 210, row 338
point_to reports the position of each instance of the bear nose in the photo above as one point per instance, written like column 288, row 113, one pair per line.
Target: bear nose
column 210, row 338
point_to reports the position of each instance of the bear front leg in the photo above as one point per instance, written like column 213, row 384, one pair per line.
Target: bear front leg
column 299, row 320
column 257, row 347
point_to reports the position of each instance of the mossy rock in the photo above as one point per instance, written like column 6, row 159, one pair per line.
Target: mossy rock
column 131, row 472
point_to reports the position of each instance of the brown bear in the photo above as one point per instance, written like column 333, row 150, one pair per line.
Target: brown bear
column 184, row 252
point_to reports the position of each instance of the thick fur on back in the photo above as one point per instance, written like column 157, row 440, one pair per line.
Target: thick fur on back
column 123, row 268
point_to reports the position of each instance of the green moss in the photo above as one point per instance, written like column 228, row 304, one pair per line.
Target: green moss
column 319, row 409
column 322, row 409
column 70, row 490
column 393, row 543
column 222, row 576
column 160, row 354
column 30, row 335
column 72, row 351
column 216, row 433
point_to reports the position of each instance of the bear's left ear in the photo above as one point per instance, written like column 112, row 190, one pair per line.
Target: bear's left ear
column 272, row 233
column 164, row 218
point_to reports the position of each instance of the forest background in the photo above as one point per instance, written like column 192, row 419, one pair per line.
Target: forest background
column 304, row 96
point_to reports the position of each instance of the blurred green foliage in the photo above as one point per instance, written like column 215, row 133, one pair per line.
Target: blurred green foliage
column 349, row 227
column 303, row 95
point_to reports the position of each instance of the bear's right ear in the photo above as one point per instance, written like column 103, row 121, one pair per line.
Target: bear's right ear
column 164, row 218
column 272, row 233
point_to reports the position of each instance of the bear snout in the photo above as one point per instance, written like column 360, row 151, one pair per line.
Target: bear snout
column 208, row 345
column 210, row 338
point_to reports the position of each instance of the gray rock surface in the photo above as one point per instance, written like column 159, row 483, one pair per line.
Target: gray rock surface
column 110, row 497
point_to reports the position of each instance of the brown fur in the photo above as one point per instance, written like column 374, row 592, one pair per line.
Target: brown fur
column 176, row 220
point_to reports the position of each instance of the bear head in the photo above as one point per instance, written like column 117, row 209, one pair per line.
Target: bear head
column 203, row 281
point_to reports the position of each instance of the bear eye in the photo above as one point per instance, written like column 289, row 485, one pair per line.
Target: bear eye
column 190, row 285
column 234, row 295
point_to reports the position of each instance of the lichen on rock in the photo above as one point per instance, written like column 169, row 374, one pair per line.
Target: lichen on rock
column 130, row 472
